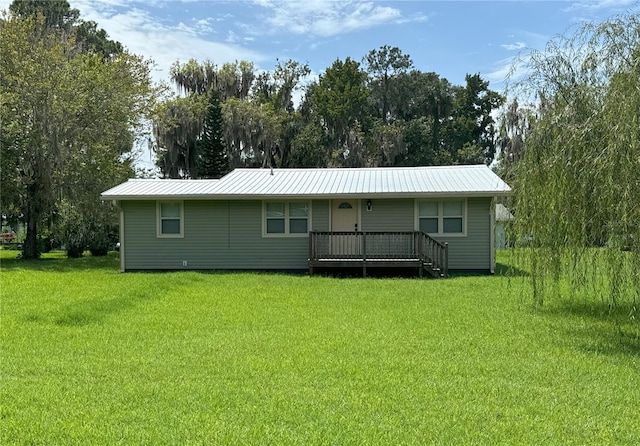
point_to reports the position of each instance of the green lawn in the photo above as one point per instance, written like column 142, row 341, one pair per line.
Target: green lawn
column 90, row 356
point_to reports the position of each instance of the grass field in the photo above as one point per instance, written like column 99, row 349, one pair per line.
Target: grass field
column 90, row 356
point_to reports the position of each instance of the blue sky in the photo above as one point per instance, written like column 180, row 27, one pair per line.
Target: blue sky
column 451, row 38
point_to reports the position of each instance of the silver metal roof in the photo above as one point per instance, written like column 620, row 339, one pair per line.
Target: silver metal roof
column 144, row 189
column 390, row 182
column 502, row 213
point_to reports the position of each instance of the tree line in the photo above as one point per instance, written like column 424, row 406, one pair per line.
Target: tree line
column 378, row 112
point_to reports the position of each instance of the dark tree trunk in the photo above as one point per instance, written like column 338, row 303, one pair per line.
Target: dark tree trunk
column 30, row 247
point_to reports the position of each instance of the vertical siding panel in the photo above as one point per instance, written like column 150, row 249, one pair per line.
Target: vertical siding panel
column 388, row 215
column 320, row 214
column 250, row 250
column 472, row 252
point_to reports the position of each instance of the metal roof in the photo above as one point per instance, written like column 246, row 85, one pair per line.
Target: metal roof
column 390, row 182
column 502, row 213
column 143, row 189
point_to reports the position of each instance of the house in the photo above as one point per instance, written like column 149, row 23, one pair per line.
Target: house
column 503, row 217
column 294, row 219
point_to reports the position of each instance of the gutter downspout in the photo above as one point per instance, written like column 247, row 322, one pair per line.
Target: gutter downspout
column 116, row 203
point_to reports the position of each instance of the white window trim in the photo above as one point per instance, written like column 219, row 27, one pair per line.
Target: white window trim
column 159, row 233
column 286, row 219
column 441, row 217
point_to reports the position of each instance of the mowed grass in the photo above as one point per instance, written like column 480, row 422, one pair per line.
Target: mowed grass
column 93, row 356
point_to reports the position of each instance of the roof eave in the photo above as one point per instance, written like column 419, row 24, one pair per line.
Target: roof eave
column 390, row 195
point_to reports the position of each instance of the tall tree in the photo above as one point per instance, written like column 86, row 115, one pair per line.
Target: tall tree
column 276, row 90
column 177, row 129
column 340, row 100
column 178, row 122
column 59, row 15
column 427, row 109
column 472, row 133
column 58, row 108
column 384, row 67
column 515, row 122
column 213, row 162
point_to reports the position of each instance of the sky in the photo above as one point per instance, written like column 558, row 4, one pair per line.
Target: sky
column 451, row 38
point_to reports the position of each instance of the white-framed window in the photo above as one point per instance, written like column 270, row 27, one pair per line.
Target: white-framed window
column 170, row 219
column 285, row 218
column 442, row 217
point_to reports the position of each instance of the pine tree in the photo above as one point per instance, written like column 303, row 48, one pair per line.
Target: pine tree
column 213, row 162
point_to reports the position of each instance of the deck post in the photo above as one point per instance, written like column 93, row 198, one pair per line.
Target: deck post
column 311, row 253
column 446, row 259
column 364, row 254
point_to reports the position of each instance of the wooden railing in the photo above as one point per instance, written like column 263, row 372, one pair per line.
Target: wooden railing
column 399, row 247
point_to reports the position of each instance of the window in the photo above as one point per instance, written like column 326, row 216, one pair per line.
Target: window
column 170, row 217
column 283, row 218
column 442, row 217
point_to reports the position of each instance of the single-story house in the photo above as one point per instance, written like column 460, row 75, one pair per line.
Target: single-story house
column 296, row 219
column 503, row 218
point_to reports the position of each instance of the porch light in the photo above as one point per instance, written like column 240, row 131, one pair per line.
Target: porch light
column 369, row 205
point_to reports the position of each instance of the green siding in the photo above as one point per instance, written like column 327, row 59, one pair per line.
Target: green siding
column 473, row 252
column 320, row 212
column 228, row 235
column 388, row 215
column 217, row 235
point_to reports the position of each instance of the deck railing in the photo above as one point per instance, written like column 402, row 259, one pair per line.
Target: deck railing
column 409, row 246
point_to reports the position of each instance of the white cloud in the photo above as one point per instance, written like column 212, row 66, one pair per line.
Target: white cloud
column 147, row 36
column 513, row 46
column 599, row 5
column 328, row 18
column 510, row 70
column 232, row 37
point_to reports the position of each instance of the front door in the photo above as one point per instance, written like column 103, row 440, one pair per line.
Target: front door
column 344, row 218
column 344, row 215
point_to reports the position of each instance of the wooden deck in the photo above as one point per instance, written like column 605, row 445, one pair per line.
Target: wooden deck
column 364, row 250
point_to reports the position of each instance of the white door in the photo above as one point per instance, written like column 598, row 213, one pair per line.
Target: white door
column 344, row 218
column 344, row 215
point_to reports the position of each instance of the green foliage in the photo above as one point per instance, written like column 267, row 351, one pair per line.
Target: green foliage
column 57, row 13
column 213, row 161
column 178, row 124
column 340, row 100
column 471, row 135
column 577, row 185
column 68, row 121
column 515, row 123
column 91, row 356
column 385, row 67
column 351, row 117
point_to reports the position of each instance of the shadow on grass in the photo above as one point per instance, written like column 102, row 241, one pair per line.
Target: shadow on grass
column 58, row 262
column 508, row 270
column 598, row 327
column 91, row 311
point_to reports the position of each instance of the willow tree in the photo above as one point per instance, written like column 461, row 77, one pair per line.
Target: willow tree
column 577, row 187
